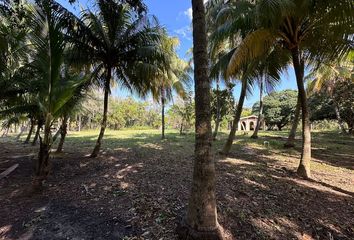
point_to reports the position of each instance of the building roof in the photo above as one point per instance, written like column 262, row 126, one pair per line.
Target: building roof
column 250, row 116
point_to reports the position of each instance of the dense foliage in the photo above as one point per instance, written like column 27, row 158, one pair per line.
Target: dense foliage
column 279, row 108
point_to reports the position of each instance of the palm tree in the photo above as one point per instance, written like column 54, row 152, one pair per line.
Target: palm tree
column 119, row 47
column 225, row 43
column 307, row 29
column 48, row 21
column 270, row 66
column 172, row 76
column 201, row 221
column 268, row 78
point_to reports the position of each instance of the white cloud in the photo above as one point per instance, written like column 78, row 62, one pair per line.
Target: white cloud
column 189, row 13
column 184, row 32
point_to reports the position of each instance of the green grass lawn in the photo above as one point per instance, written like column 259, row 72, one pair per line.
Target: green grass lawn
column 330, row 151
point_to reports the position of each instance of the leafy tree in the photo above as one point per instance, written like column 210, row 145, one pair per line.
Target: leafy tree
column 279, row 108
column 181, row 114
column 327, row 78
column 321, row 107
column 290, row 142
column 222, row 104
column 344, row 97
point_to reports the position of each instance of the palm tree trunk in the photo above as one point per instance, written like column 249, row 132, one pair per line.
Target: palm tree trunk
column 104, row 119
column 255, row 133
column 29, row 135
column 304, row 166
column 36, row 136
column 162, row 113
column 63, row 132
column 21, row 132
column 42, row 163
column 230, row 140
column 6, row 131
column 79, row 122
column 201, row 221
column 217, row 121
column 290, row 142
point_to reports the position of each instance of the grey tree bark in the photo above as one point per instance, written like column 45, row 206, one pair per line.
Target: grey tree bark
column 230, row 139
column 260, row 114
column 97, row 148
column 217, row 120
column 304, row 166
column 29, row 135
column 201, row 221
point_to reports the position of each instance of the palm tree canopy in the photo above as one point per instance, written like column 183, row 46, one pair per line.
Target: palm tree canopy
column 321, row 29
column 114, row 38
column 173, row 74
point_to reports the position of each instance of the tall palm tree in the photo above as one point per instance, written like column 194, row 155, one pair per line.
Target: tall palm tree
column 268, row 78
column 270, row 65
column 172, row 76
column 307, row 29
column 119, row 46
column 225, row 43
column 201, row 221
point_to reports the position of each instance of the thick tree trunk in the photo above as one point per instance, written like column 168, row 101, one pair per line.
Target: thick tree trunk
column 36, row 136
column 63, row 132
column 29, row 135
column 42, row 164
column 181, row 129
column 230, row 139
column 162, row 113
column 290, row 142
column 217, row 120
column 255, row 133
column 304, row 166
column 201, row 221
column 104, row 119
column 216, row 130
column 351, row 128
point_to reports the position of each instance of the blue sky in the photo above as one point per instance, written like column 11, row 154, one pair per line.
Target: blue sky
column 175, row 16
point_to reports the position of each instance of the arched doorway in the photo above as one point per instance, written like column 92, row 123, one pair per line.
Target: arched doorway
column 252, row 126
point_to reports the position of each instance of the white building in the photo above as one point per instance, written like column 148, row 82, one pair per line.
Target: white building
column 249, row 123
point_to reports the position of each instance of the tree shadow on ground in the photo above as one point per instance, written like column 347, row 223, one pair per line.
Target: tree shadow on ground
column 139, row 187
column 327, row 147
column 272, row 203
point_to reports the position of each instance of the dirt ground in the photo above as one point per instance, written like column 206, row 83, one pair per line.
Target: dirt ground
column 138, row 189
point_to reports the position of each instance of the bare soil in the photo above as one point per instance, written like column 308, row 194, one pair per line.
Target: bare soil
column 140, row 191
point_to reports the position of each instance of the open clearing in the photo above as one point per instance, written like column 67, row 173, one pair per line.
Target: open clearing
column 138, row 188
